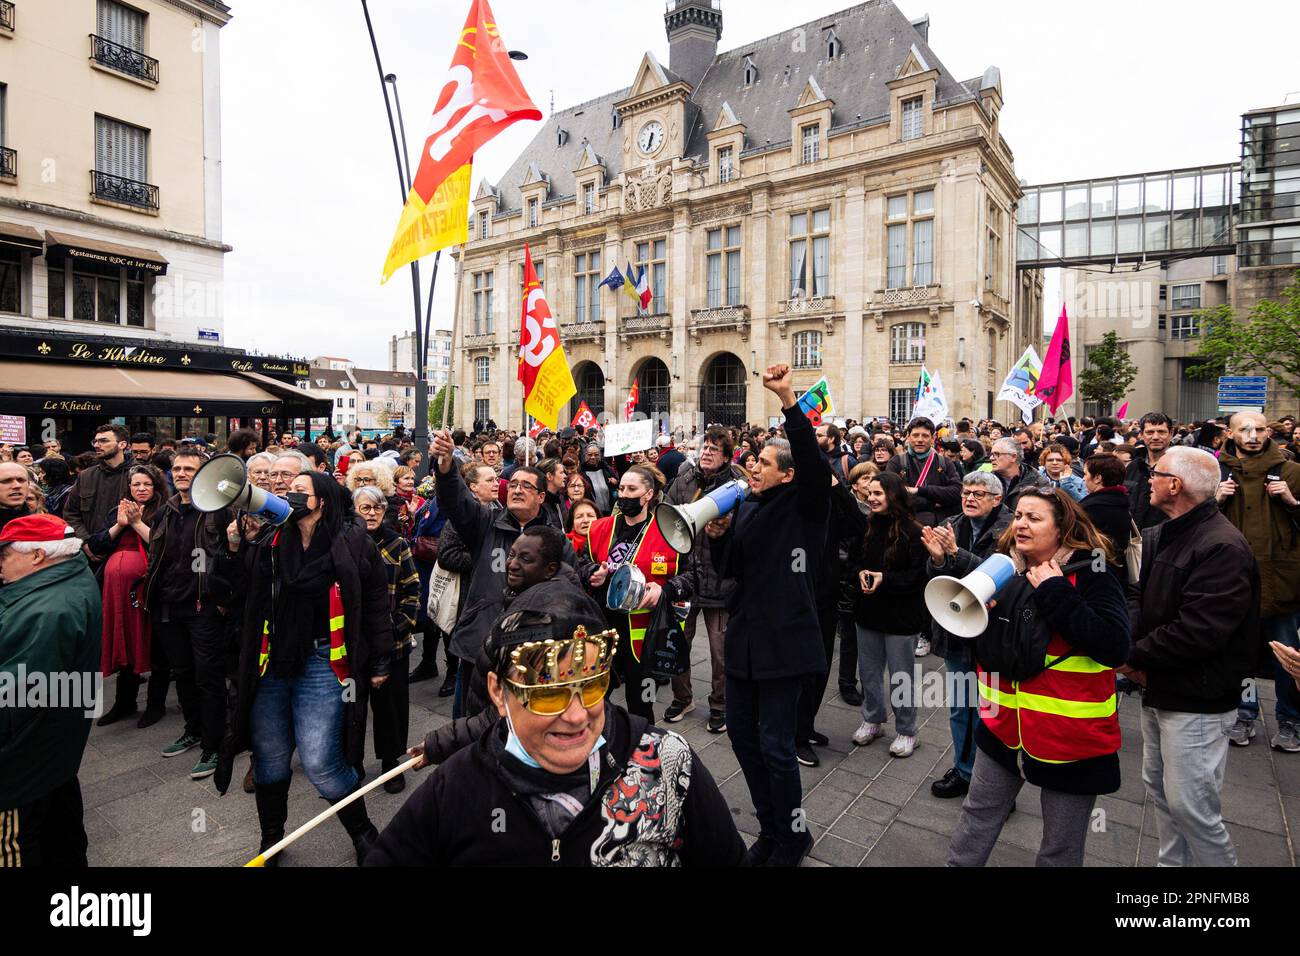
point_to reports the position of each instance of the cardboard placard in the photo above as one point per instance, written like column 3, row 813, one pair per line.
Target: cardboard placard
column 626, row 437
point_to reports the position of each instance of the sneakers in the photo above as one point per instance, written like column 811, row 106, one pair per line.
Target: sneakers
column 717, row 722
column 1287, row 738
column 922, row 647
column 902, row 746
column 676, row 711
column 804, row 753
column 206, row 766
column 183, row 743
column 951, row 784
column 867, row 733
column 1240, row 733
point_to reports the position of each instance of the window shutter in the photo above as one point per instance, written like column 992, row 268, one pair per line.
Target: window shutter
column 120, row 25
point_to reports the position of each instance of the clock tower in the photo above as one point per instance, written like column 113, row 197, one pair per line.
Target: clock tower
column 654, row 116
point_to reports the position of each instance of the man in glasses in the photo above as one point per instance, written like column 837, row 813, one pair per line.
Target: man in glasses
column 1010, row 466
column 956, row 548
column 92, row 503
column 562, row 776
column 284, row 471
column 488, row 534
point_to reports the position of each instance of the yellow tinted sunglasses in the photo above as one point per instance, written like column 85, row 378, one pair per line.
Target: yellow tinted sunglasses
column 551, row 700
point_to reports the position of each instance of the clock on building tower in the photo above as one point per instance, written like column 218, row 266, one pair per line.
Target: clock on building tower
column 651, row 137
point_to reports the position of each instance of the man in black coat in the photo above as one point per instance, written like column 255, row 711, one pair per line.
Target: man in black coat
column 773, row 636
column 1195, row 623
column 1157, row 431
column 930, row 476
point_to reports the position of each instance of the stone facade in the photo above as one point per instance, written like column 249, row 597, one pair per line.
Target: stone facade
column 796, row 171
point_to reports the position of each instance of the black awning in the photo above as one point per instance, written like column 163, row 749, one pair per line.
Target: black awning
column 101, row 254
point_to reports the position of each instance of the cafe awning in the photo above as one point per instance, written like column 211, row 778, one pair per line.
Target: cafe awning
column 98, row 252
column 33, row 388
column 24, row 237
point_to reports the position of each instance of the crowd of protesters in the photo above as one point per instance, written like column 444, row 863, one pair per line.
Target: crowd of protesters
column 1150, row 555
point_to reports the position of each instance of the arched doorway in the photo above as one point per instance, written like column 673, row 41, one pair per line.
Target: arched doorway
column 591, row 389
column 723, row 391
column 653, row 388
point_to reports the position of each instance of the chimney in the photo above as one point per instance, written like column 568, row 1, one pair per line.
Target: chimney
column 694, row 28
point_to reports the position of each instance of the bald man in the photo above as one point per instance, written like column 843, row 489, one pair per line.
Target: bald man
column 1261, row 497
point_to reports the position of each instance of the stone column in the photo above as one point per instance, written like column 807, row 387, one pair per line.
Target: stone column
column 610, row 301
column 852, row 295
column 760, row 249
column 683, row 401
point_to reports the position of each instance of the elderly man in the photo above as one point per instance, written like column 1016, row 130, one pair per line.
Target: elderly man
column 1007, row 459
column 287, row 467
column 1195, row 629
column 49, row 625
column 1261, row 497
column 956, row 548
column 15, row 482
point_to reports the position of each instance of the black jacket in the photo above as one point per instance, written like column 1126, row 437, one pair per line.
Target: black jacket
column 1092, row 618
column 778, row 537
column 1109, row 511
column 711, row 589
column 367, row 631
column 654, row 804
column 1195, row 613
column 209, row 535
column 941, row 493
column 897, row 606
column 1137, row 478
column 92, row 501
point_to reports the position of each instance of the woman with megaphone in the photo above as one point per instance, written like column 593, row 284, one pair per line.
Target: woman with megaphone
column 1046, row 679
column 317, row 636
column 632, row 537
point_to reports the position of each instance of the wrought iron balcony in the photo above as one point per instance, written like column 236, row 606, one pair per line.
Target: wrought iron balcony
column 6, row 16
column 118, row 189
column 8, row 162
column 123, row 59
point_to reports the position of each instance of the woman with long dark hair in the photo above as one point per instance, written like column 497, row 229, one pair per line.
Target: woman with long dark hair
column 127, row 638
column 890, row 611
column 317, row 637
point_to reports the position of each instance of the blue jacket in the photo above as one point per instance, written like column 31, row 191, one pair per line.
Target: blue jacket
column 1070, row 483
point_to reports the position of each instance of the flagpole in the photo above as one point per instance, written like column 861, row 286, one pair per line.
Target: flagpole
column 420, row 430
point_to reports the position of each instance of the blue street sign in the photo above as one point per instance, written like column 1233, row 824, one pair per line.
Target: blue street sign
column 1243, row 379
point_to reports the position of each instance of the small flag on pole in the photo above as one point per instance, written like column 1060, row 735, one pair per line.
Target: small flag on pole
column 1056, row 383
column 629, row 286
column 816, row 402
column 630, row 406
column 585, row 417
column 1123, row 412
column 614, row 280
column 543, row 367
column 644, row 295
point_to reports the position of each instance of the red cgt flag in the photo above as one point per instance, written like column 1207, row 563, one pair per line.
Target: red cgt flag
column 630, row 405
column 543, row 368
column 584, row 418
column 1056, row 381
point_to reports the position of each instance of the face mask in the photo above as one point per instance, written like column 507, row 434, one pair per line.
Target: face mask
column 515, row 746
column 298, row 507
column 630, row 506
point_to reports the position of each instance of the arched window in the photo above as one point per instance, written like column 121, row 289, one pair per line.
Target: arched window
column 907, row 342
column 722, row 393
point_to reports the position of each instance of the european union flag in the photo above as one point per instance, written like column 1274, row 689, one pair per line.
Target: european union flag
column 614, row 280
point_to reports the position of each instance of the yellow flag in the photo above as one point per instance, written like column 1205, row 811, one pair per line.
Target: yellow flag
column 424, row 229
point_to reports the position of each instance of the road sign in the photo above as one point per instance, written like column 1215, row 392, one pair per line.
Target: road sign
column 1242, row 393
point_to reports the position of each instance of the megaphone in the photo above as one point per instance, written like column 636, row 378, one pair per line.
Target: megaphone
column 223, row 482
column 960, row 605
column 680, row 523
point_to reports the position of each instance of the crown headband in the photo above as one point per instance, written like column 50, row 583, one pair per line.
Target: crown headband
column 530, row 669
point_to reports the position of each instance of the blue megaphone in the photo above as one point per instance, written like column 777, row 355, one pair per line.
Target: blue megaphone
column 680, row 523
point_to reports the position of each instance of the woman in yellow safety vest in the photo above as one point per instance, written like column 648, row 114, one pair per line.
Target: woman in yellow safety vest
column 1047, row 683
column 631, row 535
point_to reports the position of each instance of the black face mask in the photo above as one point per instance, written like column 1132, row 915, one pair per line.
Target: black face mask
column 630, row 506
column 298, row 507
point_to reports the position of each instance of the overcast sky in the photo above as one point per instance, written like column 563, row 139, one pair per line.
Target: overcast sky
column 1109, row 87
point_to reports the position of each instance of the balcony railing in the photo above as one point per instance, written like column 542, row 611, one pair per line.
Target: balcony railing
column 581, row 331
column 808, row 306
column 915, row 295
column 482, row 341
column 119, row 189
column 721, row 316
column 123, row 59
column 8, row 162
column 647, row 323
column 6, row 16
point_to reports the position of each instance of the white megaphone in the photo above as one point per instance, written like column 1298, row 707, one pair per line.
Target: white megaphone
column 680, row 523
column 223, row 482
column 960, row 605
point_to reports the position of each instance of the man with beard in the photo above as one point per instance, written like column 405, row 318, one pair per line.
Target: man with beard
column 1261, row 497
column 92, row 502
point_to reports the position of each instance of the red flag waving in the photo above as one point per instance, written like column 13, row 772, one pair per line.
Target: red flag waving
column 543, row 368
column 630, row 406
column 1056, row 382
column 584, row 418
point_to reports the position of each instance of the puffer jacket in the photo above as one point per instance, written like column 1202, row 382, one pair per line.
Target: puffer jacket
column 1271, row 527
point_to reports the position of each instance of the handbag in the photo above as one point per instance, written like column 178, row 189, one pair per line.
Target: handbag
column 425, row 548
column 665, row 650
column 444, row 598
column 1133, row 553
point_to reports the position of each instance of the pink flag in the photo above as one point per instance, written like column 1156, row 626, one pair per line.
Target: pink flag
column 1056, row 382
column 1123, row 412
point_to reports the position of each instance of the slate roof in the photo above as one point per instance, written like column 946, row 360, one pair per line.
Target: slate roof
column 374, row 376
column 335, row 379
column 864, row 31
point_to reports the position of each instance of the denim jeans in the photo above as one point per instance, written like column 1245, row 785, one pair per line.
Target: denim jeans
column 761, row 720
column 306, row 712
column 895, row 654
column 1183, row 759
column 1282, row 629
column 963, row 714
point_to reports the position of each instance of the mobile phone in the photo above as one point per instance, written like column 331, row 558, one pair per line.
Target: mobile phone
column 1272, row 477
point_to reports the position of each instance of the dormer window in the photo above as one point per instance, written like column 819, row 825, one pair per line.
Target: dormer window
column 834, row 48
column 320, row 383
column 751, row 72
column 561, row 137
column 617, row 119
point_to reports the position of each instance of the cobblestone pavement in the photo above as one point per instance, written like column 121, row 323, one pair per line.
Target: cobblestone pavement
column 865, row 808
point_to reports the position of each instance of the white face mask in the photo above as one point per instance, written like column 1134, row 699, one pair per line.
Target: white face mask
column 515, row 746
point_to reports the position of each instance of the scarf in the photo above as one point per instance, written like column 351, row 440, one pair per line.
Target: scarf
column 301, row 583
column 1062, row 557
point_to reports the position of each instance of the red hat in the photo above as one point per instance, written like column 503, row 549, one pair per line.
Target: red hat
column 35, row 528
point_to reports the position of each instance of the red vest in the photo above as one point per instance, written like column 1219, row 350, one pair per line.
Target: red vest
column 654, row 556
column 1066, row 713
